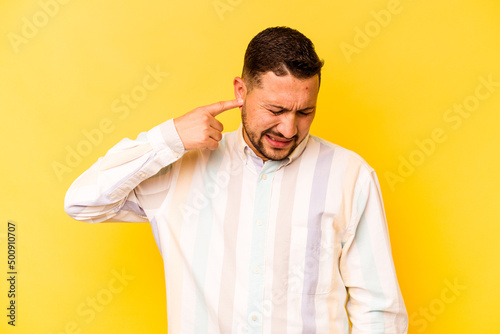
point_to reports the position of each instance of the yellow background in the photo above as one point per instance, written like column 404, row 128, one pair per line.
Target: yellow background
column 62, row 78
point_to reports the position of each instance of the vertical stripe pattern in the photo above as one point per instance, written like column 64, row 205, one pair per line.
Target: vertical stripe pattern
column 313, row 248
column 293, row 246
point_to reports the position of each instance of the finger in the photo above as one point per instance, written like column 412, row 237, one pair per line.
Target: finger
column 212, row 144
column 219, row 107
column 214, row 123
column 214, row 134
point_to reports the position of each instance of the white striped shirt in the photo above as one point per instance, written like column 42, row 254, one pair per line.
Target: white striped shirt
column 299, row 245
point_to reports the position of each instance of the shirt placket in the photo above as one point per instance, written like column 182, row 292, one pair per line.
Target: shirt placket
column 258, row 247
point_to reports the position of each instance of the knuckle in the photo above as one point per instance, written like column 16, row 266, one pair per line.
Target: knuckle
column 205, row 118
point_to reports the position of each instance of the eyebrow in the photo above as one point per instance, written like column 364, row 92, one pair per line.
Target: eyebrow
column 285, row 109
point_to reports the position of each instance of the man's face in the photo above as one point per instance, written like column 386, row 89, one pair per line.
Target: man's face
column 277, row 116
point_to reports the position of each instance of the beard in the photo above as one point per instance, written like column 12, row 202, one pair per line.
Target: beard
column 258, row 141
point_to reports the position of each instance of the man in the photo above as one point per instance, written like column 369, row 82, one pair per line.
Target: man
column 267, row 229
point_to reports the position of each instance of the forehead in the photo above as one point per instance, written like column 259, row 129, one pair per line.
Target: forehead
column 287, row 89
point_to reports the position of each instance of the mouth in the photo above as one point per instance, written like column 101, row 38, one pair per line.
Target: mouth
column 278, row 142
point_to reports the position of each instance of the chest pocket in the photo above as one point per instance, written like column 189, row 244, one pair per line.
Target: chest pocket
column 312, row 261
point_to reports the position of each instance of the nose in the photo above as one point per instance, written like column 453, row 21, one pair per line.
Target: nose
column 288, row 125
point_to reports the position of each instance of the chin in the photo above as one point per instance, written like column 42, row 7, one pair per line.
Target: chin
column 274, row 154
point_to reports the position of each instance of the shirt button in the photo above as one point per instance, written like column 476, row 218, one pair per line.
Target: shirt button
column 176, row 155
column 254, row 317
column 264, row 177
column 259, row 222
column 256, row 270
column 142, row 174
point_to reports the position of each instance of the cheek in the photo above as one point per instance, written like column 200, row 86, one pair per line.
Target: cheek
column 266, row 121
column 304, row 125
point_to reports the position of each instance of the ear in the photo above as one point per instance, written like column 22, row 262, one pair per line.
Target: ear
column 240, row 89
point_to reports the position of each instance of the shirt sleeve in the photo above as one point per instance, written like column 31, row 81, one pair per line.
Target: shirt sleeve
column 105, row 192
column 375, row 304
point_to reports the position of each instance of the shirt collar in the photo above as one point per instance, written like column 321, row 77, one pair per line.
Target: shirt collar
column 242, row 152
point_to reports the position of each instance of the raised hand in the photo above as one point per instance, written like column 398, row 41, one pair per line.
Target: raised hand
column 199, row 129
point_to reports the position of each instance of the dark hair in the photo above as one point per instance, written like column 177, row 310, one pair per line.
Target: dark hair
column 282, row 50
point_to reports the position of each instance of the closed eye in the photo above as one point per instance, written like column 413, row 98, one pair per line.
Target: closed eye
column 276, row 112
column 305, row 113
